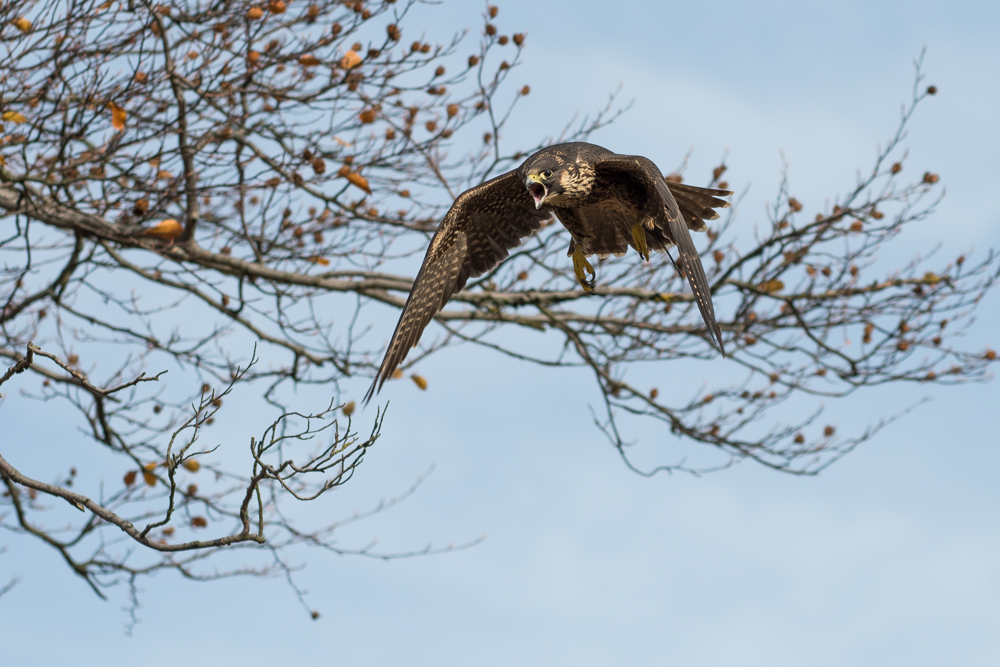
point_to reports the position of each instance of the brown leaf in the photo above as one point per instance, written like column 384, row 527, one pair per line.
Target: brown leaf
column 118, row 116
column 308, row 60
column 322, row 261
column 130, row 478
column 255, row 13
column 147, row 474
column 348, row 409
column 277, row 7
column 367, row 116
column 199, row 522
column 774, row 285
column 358, row 181
column 22, row 24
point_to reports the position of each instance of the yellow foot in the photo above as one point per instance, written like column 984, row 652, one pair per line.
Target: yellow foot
column 639, row 236
column 580, row 264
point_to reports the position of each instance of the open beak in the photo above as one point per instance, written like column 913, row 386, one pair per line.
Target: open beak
column 537, row 190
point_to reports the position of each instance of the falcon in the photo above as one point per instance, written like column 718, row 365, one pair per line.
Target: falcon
column 607, row 202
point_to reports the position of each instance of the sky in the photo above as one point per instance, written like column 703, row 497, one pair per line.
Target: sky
column 888, row 557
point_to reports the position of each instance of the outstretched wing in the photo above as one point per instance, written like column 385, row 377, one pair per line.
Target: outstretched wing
column 674, row 225
column 479, row 229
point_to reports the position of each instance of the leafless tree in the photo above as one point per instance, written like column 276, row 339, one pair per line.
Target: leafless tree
column 228, row 190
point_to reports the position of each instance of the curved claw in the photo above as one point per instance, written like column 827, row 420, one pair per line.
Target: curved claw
column 580, row 264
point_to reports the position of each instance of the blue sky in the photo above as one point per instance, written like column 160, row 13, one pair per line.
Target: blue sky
column 888, row 557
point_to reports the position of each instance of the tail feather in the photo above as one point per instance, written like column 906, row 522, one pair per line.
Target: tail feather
column 697, row 204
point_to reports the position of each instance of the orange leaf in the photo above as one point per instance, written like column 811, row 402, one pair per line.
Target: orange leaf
column 255, row 13
column 358, row 181
column 149, row 477
column 350, row 59
column 348, row 409
column 419, row 380
column 277, row 7
column 13, row 117
column 322, row 261
column 193, row 465
column 308, row 60
column 130, row 478
column 168, row 230
column 367, row 116
column 198, row 522
column 396, row 374
column 23, row 24
column 118, row 116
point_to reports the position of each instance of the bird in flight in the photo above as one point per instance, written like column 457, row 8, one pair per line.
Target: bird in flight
column 607, row 202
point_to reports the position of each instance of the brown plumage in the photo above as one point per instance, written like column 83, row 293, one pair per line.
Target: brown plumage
column 602, row 199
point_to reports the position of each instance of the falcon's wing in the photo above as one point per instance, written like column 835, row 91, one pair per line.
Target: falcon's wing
column 479, row 229
column 643, row 171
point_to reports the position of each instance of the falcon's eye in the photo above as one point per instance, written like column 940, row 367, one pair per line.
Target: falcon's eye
column 547, row 173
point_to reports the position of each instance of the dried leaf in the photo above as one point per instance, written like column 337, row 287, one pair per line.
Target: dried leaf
column 199, row 522
column 13, row 117
column 351, row 59
column 192, row 465
column 348, row 409
column 277, row 7
column 168, row 230
column 419, row 381
column 358, row 181
column 772, row 285
column 397, row 374
column 255, row 13
column 147, row 474
column 130, row 478
column 322, row 261
column 308, row 60
column 118, row 116
column 22, row 24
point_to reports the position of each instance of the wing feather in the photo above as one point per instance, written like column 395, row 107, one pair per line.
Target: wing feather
column 644, row 171
column 477, row 233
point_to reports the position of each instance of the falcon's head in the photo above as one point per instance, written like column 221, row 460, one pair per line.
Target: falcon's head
column 542, row 182
column 553, row 180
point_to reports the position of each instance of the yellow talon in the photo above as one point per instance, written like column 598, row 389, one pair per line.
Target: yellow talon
column 639, row 236
column 580, row 264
